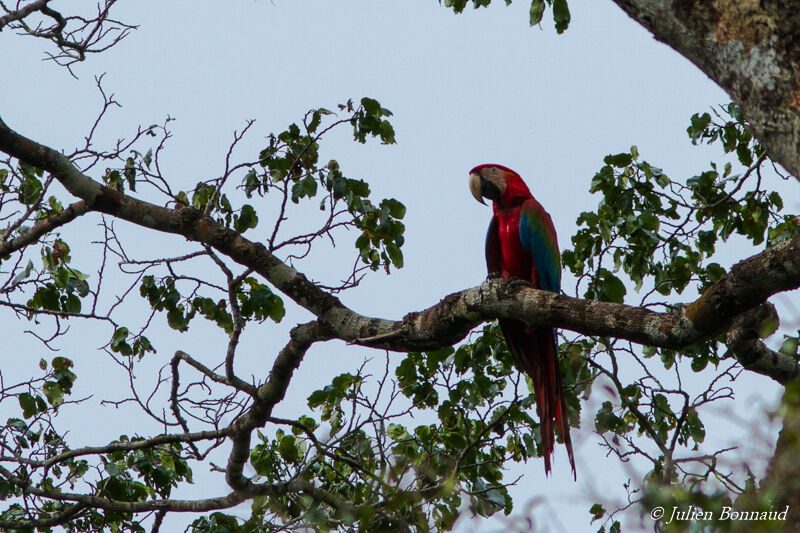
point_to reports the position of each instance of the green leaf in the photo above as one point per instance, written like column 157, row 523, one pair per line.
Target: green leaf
column 306, row 187
column 698, row 125
column 371, row 106
column 46, row 297
column 30, row 189
column 261, row 303
column 308, row 422
column 744, row 154
column 768, row 327
column 176, row 319
column 71, row 304
column 536, row 12
column 54, row 393
column 62, row 364
column 24, row 274
column 609, row 287
column 606, row 420
column 597, row 511
column 618, row 160
column 561, row 15
column 397, row 432
column 28, row 404
column 699, row 363
column 288, row 449
column 395, row 254
column 317, row 398
column 247, row 219
column 316, row 118
column 789, row 346
column 118, row 342
column 396, row 208
column 130, row 173
column 661, row 408
column 142, row 345
column 695, row 427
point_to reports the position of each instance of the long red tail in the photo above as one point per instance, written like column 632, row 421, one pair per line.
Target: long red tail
column 535, row 353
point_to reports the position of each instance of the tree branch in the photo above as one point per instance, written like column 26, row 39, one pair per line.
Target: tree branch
column 69, row 513
column 22, row 12
column 267, row 397
column 745, row 343
column 747, row 285
column 120, row 446
column 43, row 227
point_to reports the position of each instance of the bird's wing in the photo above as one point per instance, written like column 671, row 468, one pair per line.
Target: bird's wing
column 538, row 236
column 494, row 258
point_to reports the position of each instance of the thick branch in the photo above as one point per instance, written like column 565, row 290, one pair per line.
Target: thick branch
column 751, row 49
column 748, row 284
column 267, row 397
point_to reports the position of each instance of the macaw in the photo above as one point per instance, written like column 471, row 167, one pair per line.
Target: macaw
column 521, row 243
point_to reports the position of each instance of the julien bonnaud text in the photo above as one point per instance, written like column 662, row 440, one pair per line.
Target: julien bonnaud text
column 692, row 513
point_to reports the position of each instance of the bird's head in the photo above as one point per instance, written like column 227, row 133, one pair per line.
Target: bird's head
column 497, row 183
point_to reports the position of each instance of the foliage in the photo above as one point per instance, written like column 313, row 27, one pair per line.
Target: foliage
column 560, row 9
column 661, row 237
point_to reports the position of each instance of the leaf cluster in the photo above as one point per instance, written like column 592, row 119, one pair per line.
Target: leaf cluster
column 256, row 301
column 291, row 165
column 561, row 14
column 656, row 230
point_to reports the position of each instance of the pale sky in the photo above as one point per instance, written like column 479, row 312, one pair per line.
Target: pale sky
column 475, row 88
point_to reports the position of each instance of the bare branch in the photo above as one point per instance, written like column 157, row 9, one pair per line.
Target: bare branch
column 75, row 36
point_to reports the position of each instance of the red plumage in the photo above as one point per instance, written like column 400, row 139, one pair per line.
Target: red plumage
column 521, row 243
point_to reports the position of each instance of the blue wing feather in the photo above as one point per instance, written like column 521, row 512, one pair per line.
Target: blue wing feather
column 538, row 236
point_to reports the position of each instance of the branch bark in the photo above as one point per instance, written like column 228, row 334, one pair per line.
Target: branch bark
column 22, row 12
column 749, row 48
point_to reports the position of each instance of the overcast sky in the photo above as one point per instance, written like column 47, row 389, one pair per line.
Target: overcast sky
column 476, row 88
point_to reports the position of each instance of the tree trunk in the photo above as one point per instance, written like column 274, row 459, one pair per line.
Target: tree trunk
column 750, row 48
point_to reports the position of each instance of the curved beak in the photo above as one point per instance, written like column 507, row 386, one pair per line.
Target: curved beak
column 475, row 187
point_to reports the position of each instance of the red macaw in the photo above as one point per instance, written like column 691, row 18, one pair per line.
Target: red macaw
column 521, row 243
